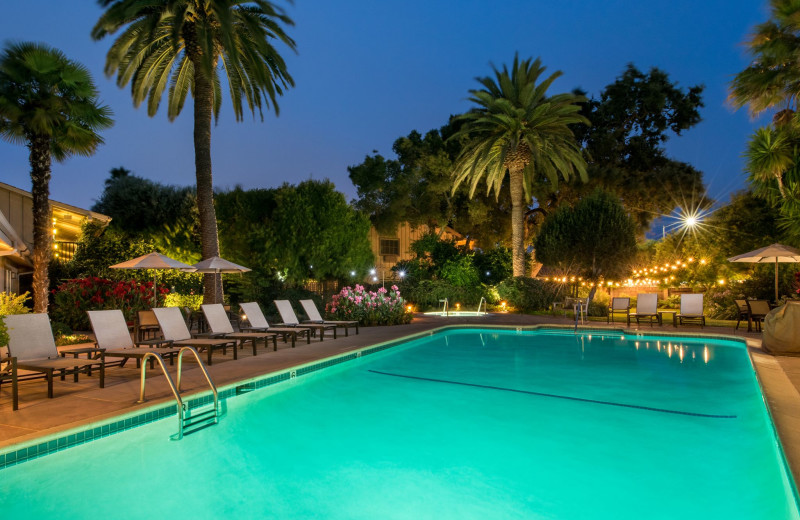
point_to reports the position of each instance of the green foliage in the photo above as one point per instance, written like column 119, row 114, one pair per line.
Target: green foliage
column 595, row 239
column 294, row 232
column 496, row 262
column 190, row 301
column 460, row 272
column 719, row 303
column 528, row 294
column 417, row 188
column 11, row 304
column 630, row 122
column 72, row 339
column 14, row 304
column 381, row 307
column 427, row 293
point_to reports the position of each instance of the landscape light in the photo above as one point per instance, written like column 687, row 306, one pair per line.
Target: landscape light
column 374, row 278
column 402, row 274
column 352, row 273
column 372, row 271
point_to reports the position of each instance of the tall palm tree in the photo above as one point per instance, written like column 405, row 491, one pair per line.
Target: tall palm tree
column 183, row 45
column 49, row 103
column 772, row 80
column 517, row 128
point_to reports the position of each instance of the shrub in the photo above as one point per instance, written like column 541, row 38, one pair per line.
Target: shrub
column 527, row 294
column 427, row 293
column 74, row 297
column 719, row 304
column 191, row 300
column 368, row 307
column 460, row 271
column 11, row 304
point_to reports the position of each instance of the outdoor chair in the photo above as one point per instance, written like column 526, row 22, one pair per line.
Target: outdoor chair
column 8, row 372
column 758, row 310
column 743, row 314
column 174, row 329
column 691, row 309
column 111, row 334
column 254, row 316
column 219, row 323
column 31, row 343
column 314, row 316
column 145, row 325
column 646, row 307
column 290, row 319
column 619, row 305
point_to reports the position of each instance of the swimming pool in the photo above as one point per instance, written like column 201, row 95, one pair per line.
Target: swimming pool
column 474, row 423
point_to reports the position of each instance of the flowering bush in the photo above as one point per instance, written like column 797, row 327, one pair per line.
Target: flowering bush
column 369, row 307
column 719, row 304
column 74, row 297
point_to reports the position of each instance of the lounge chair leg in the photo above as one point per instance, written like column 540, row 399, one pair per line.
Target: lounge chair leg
column 102, row 371
column 275, row 343
column 346, row 333
column 254, row 345
column 235, row 348
column 49, row 375
column 209, row 355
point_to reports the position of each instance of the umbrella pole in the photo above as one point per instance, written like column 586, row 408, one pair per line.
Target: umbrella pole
column 776, row 280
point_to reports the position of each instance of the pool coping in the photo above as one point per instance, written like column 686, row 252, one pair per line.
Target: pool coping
column 32, row 449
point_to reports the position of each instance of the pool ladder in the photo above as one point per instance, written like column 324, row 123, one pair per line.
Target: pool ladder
column 187, row 423
column 482, row 302
column 444, row 306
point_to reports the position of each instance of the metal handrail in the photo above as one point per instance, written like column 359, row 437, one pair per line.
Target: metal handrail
column 444, row 308
column 182, row 408
column 202, row 368
column 482, row 302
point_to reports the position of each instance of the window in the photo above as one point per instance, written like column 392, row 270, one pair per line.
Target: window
column 390, row 246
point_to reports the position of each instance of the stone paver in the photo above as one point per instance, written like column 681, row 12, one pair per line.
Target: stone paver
column 82, row 403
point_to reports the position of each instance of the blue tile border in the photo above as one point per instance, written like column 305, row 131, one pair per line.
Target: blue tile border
column 40, row 448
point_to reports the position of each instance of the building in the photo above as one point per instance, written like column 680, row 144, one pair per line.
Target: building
column 16, row 235
column 392, row 248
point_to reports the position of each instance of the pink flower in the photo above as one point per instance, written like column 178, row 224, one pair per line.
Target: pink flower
column 382, row 290
column 394, row 288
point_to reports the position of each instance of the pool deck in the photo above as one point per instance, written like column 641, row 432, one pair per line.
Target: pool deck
column 84, row 403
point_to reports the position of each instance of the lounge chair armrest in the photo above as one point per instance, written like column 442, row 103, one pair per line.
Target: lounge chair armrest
column 207, row 335
column 313, row 321
column 154, row 342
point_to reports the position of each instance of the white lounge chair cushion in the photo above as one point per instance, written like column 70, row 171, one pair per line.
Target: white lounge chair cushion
column 30, row 337
column 217, row 318
column 110, row 329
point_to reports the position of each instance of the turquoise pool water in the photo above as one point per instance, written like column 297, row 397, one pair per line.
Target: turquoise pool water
column 462, row 424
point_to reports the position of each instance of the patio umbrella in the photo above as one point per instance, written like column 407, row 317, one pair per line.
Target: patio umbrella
column 767, row 255
column 153, row 261
column 217, row 265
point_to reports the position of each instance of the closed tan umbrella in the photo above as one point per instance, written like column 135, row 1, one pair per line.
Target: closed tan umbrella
column 766, row 255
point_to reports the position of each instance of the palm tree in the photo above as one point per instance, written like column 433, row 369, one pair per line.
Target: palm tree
column 183, row 45
column 49, row 103
column 772, row 81
column 517, row 128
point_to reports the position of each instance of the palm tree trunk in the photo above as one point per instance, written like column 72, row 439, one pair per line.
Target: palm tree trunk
column 517, row 221
column 209, row 241
column 39, row 157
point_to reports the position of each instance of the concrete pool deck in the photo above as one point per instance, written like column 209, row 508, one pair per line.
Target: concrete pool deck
column 84, row 403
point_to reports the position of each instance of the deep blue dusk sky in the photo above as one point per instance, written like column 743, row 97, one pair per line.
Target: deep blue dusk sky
column 368, row 72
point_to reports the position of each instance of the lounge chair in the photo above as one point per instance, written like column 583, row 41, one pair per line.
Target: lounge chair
column 111, row 334
column 743, row 314
column 174, row 329
column 258, row 322
column 219, row 324
column 145, row 325
column 758, row 310
column 31, row 342
column 8, row 372
column 290, row 319
column 691, row 309
column 315, row 317
column 619, row 305
column 646, row 307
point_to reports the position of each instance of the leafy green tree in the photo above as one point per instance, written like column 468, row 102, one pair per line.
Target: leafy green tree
column 294, row 233
column 417, row 188
column 594, row 239
column 49, row 103
column 630, row 122
column 185, row 44
column 517, row 128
